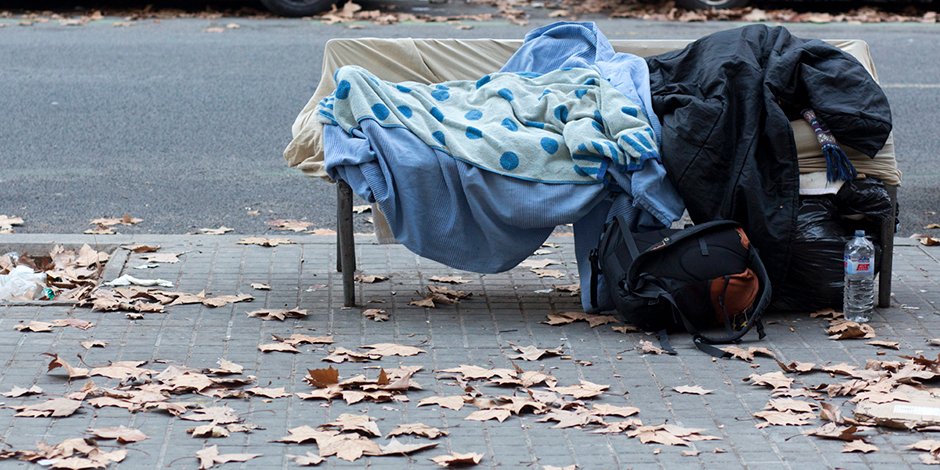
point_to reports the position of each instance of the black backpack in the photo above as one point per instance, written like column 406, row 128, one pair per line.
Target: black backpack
column 700, row 277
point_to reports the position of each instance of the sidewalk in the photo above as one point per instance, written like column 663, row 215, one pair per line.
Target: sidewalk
column 504, row 310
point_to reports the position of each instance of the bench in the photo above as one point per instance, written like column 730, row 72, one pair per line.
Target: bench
column 440, row 60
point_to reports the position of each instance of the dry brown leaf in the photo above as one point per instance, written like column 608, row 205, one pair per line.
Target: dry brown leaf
column 449, row 279
column 783, row 418
column 827, row 313
column 100, row 230
column 692, row 390
column 362, row 208
column 17, row 392
column 927, row 240
column 296, row 339
column 322, row 378
column 277, row 347
column 211, row 430
column 226, row 367
column 456, row 459
column 123, row 434
column 8, row 221
column 397, row 448
column 348, row 422
column 470, row 372
column 260, row 286
column 307, row 460
column 690, row 453
column 858, row 446
column 626, row 329
column 417, row 429
column 170, row 258
column 485, row 415
column 302, row 434
column 885, row 344
column 122, row 370
column 834, row 431
column 601, row 409
column 34, row 326
column 570, row 419
column 584, row 390
column 217, row 414
column 210, row 456
column 789, row 404
column 928, row 226
column 73, row 372
column 278, row 314
column 538, row 263
column 532, row 353
column 214, row 231
column 453, row 402
column 747, row 354
column 110, row 221
column 564, row 318
column 266, row 242
column 375, row 314
column 552, row 273
column 798, row 367
column 427, row 302
column 93, row 343
column 391, row 349
column 647, row 347
column 288, row 224
column 340, row 355
column 844, row 329
column 771, row 379
column 348, row 447
column 55, row 407
column 370, row 278
column 278, row 392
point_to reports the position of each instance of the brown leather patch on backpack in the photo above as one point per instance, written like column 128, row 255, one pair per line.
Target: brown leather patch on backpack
column 733, row 295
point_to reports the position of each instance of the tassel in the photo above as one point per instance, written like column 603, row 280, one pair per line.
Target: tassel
column 838, row 165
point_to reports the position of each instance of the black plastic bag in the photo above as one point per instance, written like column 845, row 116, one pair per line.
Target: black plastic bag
column 824, row 225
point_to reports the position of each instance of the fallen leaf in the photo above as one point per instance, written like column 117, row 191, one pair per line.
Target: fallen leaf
column 391, row 349
column 647, row 347
column 214, row 231
column 260, row 286
column 340, row 355
column 844, row 329
column 362, row 208
column 347, row 422
column 532, row 353
column 267, row 242
column 417, row 429
column 796, row 366
column 322, row 378
column 570, row 419
column 692, row 390
column 278, row 314
column 297, row 339
column 17, row 392
column 141, row 248
column 216, row 414
column 209, row 456
column 211, row 430
column 288, row 224
column 427, row 302
column 397, row 448
column 449, row 279
column 370, row 278
column 485, row 415
column 278, row 392
column 747, row 354
column 601, row 409
column 552, row 273
column 789, row 404
column 226, row 367
column 55, row 407
column 302, row 434
column 690, row 453
column 73, row 372
column 538, row 263
column 928, row 226
column 348, row 447
column 783, row 418
column 97, row 343
column 834, row 431
column 277, row 347
column 34, row 326
column 929, row 241
column 626, row 329
column 375, row 314
column 307, row 460
column 123, row 434
column 584, row 390
column 8, row 221
column 457, row 459
column 772, row 379
column 885, row 344
column 858, row 446
column 453, row 402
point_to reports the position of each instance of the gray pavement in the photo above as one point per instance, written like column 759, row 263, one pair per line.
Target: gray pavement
column 505, row 309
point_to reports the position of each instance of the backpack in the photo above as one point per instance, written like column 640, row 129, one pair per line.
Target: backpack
column 701, row 277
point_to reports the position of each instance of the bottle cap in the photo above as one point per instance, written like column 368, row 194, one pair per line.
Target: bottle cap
column 860, row 233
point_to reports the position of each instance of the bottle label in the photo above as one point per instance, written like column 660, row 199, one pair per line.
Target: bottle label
column 861, row 266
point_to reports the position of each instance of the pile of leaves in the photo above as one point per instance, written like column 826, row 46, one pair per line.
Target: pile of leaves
column 69, row 273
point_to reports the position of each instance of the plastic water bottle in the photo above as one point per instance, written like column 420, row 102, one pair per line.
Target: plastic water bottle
column 859, row 298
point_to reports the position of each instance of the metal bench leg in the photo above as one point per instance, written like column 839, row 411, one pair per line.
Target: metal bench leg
column 887, row 250
column 346, row 242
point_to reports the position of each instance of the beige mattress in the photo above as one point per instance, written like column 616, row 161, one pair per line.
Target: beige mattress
column 440, row 60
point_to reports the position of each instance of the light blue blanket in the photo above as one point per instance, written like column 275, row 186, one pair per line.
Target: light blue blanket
column 564, row 126
column 478, row 220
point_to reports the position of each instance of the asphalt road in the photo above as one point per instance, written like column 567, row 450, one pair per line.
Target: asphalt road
column 185, row 128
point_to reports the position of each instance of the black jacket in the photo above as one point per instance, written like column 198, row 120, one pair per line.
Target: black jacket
column 726, row 101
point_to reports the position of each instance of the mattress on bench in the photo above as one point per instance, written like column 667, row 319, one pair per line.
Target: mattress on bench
column 441, row 60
